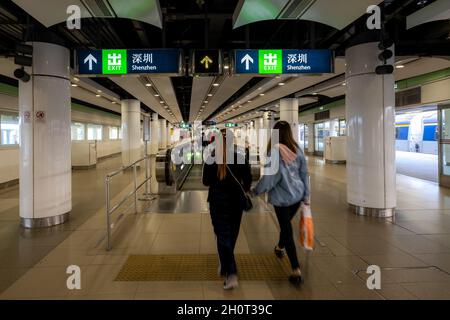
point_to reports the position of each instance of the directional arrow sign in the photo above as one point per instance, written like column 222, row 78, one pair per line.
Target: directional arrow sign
column 247, row 60
column 90, row 59
column 206, row 61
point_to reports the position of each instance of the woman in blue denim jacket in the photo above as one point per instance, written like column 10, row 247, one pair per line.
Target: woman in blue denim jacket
column 285, row 178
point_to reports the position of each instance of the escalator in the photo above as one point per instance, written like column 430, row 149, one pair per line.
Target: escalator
column 193, row 179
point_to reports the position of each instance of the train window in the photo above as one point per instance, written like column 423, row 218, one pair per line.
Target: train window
column 342, row 127
column 9, row 129
column 401, row 133
column 429, row 133
column 77, row 131
column 94, row 132
column 113, row 133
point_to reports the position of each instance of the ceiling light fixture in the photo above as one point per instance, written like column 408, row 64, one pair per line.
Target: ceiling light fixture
column 261, row 94
column 400, row 66
column 148, row 84
column 281, row 84
column 74, row 85
column 210, row 95
column 215, row 84
column 156, row 95
column 161, row 102
column 97, row 95
column 99, row 91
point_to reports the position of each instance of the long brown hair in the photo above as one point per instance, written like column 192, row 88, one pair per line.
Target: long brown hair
column 222, row 167
column 285, row 136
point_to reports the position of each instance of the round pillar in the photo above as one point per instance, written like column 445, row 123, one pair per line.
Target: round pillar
column 370, row 109
column 162, row 134
column 154, row 144
column 45, row 143
column 311, row 148
column 289, row 113
column 131, row 131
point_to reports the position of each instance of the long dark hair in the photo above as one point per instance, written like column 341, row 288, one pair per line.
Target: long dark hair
column 285, row 136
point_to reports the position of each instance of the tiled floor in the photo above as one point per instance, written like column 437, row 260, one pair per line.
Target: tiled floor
column 413, row 251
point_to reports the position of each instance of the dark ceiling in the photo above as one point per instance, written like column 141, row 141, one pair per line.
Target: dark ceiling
column 190, row 24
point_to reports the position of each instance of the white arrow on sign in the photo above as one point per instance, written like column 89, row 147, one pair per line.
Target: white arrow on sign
column 90, row 58
column 247, row 59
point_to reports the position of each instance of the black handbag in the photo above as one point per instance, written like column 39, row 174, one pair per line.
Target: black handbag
column 247, row 203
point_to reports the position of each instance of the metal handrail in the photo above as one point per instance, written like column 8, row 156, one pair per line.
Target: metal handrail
column 109, row 210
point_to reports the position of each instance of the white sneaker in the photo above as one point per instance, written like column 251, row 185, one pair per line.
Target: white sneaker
column 231, row 282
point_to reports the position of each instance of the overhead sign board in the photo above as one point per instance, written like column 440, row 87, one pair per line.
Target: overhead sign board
column 280, row 61
column 129, row 61
column 206, row 62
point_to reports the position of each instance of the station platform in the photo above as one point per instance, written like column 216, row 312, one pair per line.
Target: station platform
column 417, row 165
column 413, row 250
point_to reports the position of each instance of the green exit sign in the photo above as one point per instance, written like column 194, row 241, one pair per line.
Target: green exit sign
column 270, row 61
column 184, row 125
column 114, row 61
column 230, row 124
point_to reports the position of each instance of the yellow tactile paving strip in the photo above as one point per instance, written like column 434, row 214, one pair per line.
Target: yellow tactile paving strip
column 201, row 267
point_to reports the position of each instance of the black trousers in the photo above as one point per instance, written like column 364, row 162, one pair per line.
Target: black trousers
column 284, row 216
column 226, row 221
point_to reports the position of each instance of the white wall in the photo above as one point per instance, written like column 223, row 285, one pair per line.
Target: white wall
column 9, row 164
column 9, row 155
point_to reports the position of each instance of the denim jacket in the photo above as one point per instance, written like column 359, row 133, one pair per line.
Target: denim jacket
column 287, row 185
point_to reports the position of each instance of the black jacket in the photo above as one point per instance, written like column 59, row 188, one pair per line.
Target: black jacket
column 227, row 192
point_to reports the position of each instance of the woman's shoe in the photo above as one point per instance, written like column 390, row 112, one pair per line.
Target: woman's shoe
column 296, row 277
column 296, row 280
column 231, row 282
column 279, row 252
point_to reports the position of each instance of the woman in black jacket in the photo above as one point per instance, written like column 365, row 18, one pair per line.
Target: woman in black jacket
column 223, row 180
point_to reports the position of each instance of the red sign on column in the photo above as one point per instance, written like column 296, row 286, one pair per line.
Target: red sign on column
column 40, row 115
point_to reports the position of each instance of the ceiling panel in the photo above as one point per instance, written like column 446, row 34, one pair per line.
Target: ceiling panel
column 337, row 13
column 148, row 11
column 165, row 89
column 40, row 10
column 136, row 88
column 229, row 86
column 291, row 86
column 200, row 86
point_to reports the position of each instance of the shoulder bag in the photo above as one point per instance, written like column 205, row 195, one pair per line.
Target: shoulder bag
column 245, row 199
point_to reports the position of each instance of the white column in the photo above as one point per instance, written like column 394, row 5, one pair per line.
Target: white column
column 370, row 104
column 45, row 143
column 259, row 126
column 169, row 137
column 162, row 134
column 154, row 132
column 310, row 138
column 131, row 131
column 289, row 113
column 266, row 126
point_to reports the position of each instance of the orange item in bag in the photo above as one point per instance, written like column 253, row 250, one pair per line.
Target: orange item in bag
column 306, row 228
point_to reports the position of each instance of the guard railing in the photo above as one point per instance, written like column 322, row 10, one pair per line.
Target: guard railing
column 110, row 210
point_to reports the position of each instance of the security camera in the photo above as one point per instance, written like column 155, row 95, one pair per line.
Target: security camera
column 21, row 74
